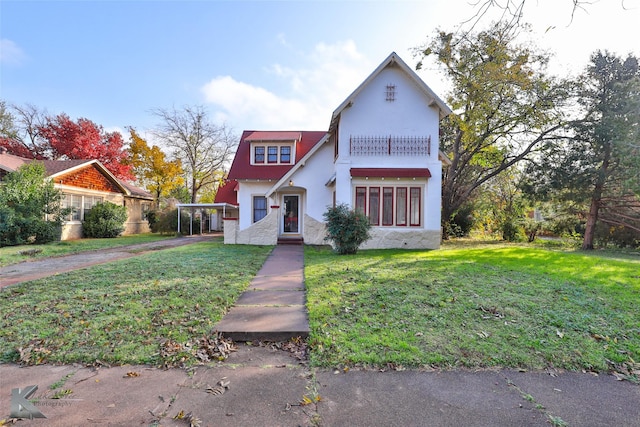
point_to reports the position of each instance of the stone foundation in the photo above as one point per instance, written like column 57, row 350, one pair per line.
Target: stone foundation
column 314, row 231
column 385, row 238
column 263, row 232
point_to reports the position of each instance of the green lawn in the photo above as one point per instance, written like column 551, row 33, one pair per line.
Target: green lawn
column 467, row 305
column 15, row 254
column 474, row 306
column 151, row 309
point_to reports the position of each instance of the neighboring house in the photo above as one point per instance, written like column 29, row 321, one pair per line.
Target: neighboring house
column 380, row 156
column 84, row 183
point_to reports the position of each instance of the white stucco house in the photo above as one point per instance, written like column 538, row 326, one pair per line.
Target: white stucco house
column 380, row 155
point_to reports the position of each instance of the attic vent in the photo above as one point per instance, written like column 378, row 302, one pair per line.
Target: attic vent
column 391, row 93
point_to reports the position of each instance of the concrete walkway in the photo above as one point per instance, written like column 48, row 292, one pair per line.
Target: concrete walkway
column 273, row 307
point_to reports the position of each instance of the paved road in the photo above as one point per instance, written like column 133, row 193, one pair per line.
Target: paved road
column 32, row 270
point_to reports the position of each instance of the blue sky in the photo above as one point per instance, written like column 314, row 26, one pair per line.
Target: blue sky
column 252, row 64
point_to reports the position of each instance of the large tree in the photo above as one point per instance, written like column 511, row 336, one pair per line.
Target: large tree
column 598, row 167
column 504, row 108
column 151, row 167
column 83, row 139
column 203, row 147
column 34, row 134
column 21, row 133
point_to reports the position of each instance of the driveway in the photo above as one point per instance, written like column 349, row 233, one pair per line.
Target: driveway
column 32, row 270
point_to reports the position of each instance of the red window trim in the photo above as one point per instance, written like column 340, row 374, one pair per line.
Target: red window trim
column 411, row 223
column 406, row 210
column 369, row 210
column 392, row 206
column 364, row 206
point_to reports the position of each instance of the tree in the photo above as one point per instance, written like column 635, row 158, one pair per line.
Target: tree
column 203, row 148
column 29, row 206
column 512, row 11
column 153, row 170
column 599, row 166
column 84, row 139
column 505, row 108
column 36, row 135
column 22, row 137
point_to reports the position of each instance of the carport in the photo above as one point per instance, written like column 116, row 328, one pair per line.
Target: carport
column 201, row 206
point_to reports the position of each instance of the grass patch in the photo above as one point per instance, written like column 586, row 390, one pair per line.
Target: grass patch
column 474, row 306
column 15, row 254
column 148, row 309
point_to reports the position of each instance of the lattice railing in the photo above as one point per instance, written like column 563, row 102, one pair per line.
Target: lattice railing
column 390, row 145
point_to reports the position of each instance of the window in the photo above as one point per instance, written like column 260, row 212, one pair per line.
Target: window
column 361, row 199
column 285, row 154
column 272, row 154
column 89, row 203
column 258, row 155
column 401, row 206
column 80, row 205
column 387, row 206
column 415, row 205
column 390, row 206
column 374, row 205
column 259, row 208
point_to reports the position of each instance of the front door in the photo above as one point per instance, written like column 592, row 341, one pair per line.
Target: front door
column 291, row 223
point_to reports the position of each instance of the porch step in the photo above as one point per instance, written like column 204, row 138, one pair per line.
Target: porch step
column 290, row 240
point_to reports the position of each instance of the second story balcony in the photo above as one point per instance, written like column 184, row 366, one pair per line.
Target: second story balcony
column 390, row 146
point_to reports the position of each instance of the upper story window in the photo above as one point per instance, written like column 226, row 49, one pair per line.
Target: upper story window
column 258, row 155
column 272, row 154
column 285, row 154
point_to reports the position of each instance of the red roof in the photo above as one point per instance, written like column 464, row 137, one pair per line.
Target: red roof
column 390, row 173
column 227, row 193
column 241, row 168
column 273, row 136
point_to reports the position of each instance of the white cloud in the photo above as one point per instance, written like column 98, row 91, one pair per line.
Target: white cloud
column 314, row 87
column 11, row 53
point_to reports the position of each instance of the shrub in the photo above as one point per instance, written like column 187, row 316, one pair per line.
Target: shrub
column 105, row 220
column 166, row 222
column 346, row 228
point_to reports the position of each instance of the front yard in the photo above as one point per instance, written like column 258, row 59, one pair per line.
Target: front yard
column 490, row 306
column 472, row 306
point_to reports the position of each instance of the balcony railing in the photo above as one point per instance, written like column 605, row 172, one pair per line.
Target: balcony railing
column 390, row 145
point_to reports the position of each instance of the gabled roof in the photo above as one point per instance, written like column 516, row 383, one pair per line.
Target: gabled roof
column 56, row 168
column 393, row 60
column 9, row 162
column 228, row 193
column 241, row 168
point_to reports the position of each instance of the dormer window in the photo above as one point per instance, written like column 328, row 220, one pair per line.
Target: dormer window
column 272, row 154
column 276, row 154
column 258, row 155
column 285, row 154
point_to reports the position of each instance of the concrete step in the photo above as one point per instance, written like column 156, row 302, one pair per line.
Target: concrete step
column 273, row 306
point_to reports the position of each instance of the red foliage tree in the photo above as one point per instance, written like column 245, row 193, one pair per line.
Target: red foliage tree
column 84, row 139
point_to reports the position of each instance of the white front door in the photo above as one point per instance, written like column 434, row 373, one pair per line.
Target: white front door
column 291, row 214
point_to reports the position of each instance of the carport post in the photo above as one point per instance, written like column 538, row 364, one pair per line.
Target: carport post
column 178, row 219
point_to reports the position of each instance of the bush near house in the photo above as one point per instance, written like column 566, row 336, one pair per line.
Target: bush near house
column 26, row 199
column 105, row 220
column 346, row 228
